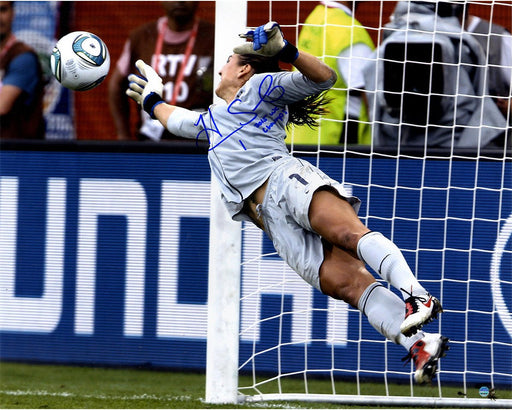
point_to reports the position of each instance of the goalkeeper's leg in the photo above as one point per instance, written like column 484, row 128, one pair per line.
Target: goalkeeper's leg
column 382, row 307
column 388, row 261
column 344, row 277
column 336, row 221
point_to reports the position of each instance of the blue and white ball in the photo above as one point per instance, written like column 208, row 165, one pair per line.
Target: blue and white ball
column 80, row 61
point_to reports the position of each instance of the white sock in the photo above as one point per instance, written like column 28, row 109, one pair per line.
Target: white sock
column 384, row 257
column 385, row 312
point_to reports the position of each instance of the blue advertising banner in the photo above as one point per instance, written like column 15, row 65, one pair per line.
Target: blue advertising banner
column 105, row 261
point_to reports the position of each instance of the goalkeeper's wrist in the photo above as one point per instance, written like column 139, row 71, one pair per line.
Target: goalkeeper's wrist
column 288, row 53
column 150, row 102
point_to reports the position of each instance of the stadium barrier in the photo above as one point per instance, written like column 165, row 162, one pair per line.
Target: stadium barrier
column 105, row 251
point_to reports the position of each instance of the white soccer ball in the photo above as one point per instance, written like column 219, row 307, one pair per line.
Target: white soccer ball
column 80, row 61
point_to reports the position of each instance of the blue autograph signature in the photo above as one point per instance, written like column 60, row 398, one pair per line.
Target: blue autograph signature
column 270, row 120
column 270, row 95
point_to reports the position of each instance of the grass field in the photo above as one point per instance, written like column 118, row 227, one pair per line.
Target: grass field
column 44, row 386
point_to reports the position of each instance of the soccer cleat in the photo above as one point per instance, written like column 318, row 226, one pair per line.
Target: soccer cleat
column 425, row 354
column 419, row 310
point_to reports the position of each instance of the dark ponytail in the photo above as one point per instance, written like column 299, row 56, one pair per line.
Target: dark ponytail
column 308, row 110
column 303, row 112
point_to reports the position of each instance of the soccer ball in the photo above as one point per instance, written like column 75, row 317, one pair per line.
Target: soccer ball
column 80, row 61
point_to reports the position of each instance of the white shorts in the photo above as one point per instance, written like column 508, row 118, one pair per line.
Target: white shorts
column 284, row 212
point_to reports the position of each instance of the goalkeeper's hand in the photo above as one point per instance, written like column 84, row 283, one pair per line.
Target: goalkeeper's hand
column 146, row 89
column 268, row 40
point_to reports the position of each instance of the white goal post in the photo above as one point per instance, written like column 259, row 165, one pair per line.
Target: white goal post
column 225, row 245
column 449, row 211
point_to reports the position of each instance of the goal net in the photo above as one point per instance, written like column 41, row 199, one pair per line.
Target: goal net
column 435, row 177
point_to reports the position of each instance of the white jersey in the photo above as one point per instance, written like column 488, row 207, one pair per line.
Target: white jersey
column 247, row 136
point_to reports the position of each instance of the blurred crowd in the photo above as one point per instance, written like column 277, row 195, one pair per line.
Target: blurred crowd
column 430, row 74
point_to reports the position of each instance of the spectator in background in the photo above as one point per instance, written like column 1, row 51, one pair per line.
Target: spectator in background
column 496, row 42
column 179, row 46
column 21, row 83
column 427, row 85
column 332, row 31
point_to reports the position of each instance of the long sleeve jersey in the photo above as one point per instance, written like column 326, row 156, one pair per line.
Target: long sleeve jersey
column 246, row 136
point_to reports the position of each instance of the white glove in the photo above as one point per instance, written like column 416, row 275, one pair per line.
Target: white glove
column 267, row 40
column 146, row 89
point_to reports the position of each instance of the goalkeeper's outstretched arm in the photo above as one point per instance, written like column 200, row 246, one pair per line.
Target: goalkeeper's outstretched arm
column 313, row 68
column 162, row 112
column 147, row 90
column 268, row 41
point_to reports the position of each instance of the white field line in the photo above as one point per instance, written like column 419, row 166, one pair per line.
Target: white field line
column 133, row 397
column 92, row 396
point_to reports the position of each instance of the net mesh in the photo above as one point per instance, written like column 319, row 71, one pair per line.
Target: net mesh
column 446, row 207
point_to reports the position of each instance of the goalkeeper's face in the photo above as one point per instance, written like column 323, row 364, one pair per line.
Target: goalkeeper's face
column 232, row 78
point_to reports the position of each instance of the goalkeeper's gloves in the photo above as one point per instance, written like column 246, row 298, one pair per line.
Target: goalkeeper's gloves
column 268, row 40
column 146, row 89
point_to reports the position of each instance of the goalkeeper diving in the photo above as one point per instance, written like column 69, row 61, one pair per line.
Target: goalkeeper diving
column 310, row 218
